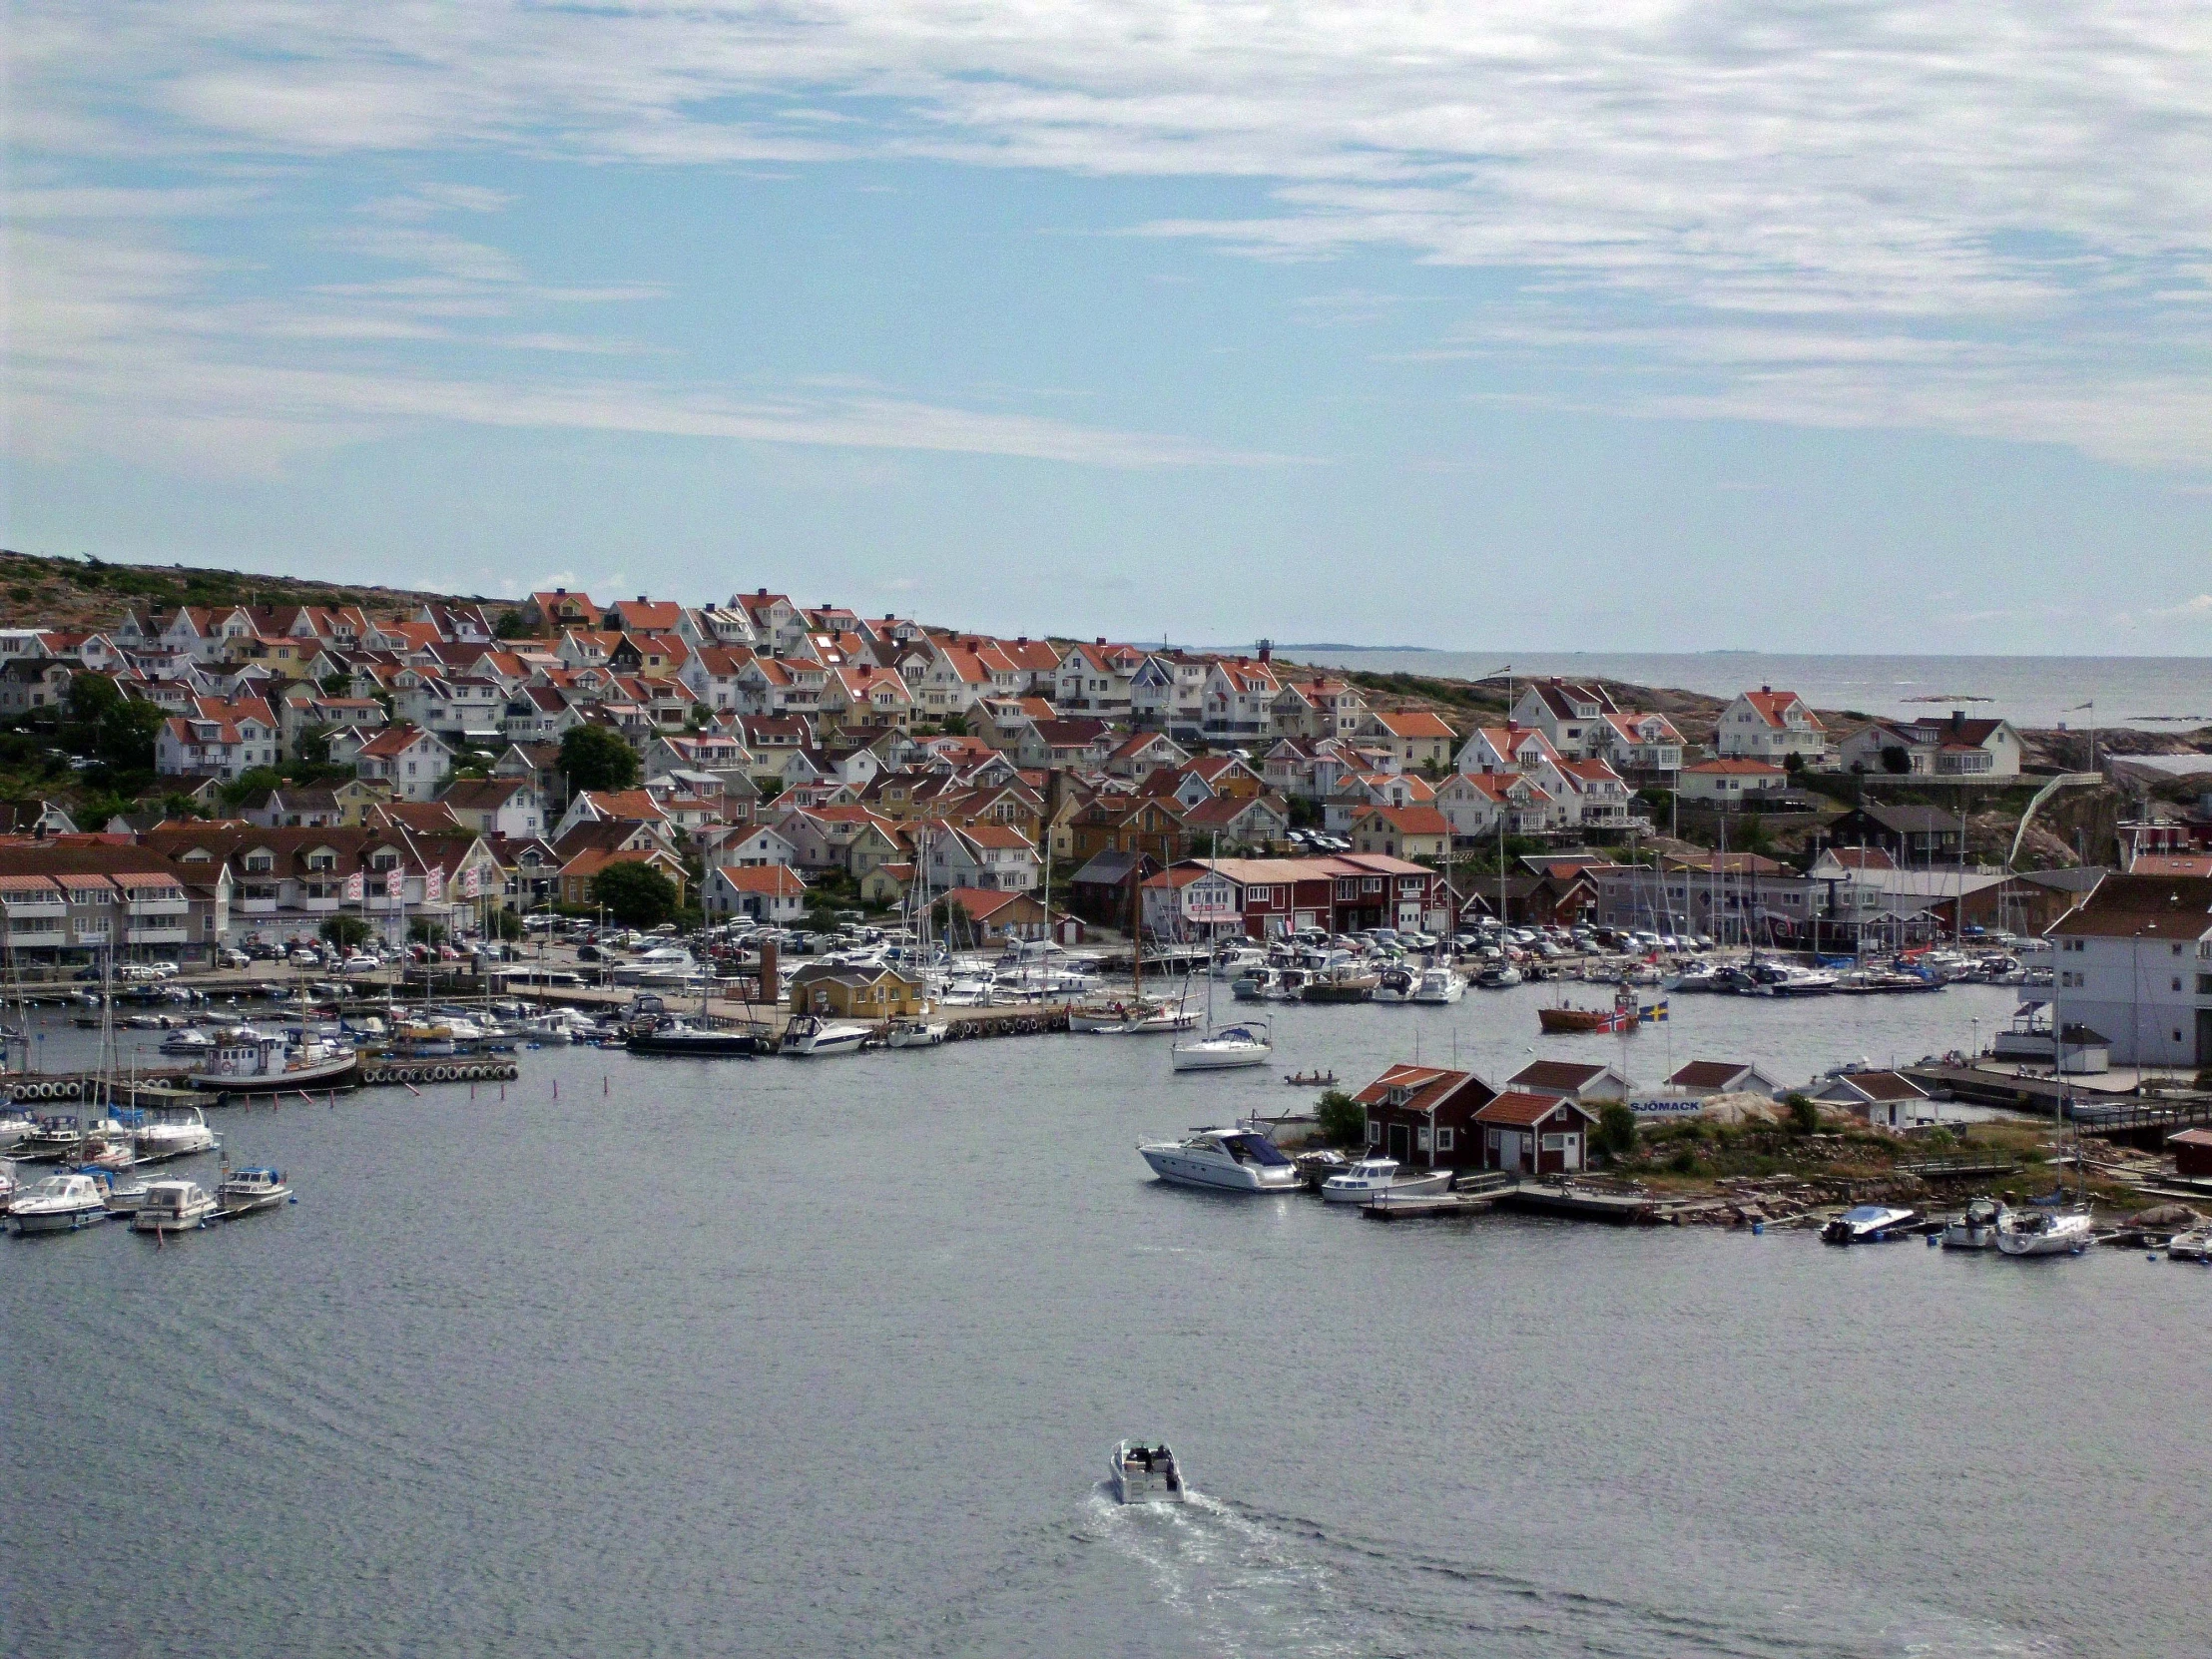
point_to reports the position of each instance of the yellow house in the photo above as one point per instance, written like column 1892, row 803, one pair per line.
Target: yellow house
column 855, row 992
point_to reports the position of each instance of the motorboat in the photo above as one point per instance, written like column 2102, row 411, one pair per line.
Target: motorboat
column 672, row 1035
column 1125, row 1019
column 174, row 1207
column 1439, row 985
column 16, row 1126
column 1236, row 1159
column 1253, row 984
column 51, row 1138
column 1869, row 1224
column 1345, row 983
column 2045, row 1233
column 1141, row 1473
column 1978, row 1227
column 809, row 1035
column 1225, row 1048
column 122, row 1196
column 187, row 1041
column 242, row 1192
column 1396, row 984
column 1372, row 1179
column 915, row 1031
column 560, row 1025
column 174, row 1134
column 2193, row 1245
column 246, row 1061
column 58, row 1204
column 1697, row 976
column 1499, row 976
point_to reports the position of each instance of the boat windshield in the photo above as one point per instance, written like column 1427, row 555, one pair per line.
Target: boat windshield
column 1257, row 1147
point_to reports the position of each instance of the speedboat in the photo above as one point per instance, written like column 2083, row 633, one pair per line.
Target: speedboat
column 174, row 1207
column 245, row 1191
column 121, row 1196
column 1869, row 1224
column 2045, row 1233
column 1230, row 1160
column 1979, row 1227
column 913, row 1031
column 1439, row 985
column 1225, row 1048
column 187, row 1041
column 2192, row 1246
column 809, row 1035
column 671, row 1035
column 175, row 1135
column 1373, row 1178
column 58, row 1204
column 1143, row 1473
column 1253, row 984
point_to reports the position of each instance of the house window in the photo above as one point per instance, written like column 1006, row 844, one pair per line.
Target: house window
column 1375, row 1133
column 1420, row 1140
column 1555, row 1143
column 1444, row 1140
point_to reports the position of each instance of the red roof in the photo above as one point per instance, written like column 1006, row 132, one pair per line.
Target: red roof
column 1516, row 1108
column 775, row 880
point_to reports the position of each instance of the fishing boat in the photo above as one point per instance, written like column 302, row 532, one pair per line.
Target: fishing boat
column 1372, row 1179
column 246, row 1061
column 2045, row 1233
column 1236, row 1159
column 58, row 1204
column 1140, row 1474
column 1869, row 1224
column 52, row 1138
column 1978, row 1227
column 242, row 1192
column 175, row 1207
column 809, row 1036
column 1566, row 1019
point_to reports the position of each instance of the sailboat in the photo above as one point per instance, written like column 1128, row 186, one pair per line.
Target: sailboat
column 2040, row 1231
column 1223, row 1047
column 917, row 1029
column 1135, row 1017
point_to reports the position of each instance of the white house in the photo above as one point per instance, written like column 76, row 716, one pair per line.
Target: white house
column 2133, row 964
column 1950, row 748
column 1569, row 712
column 994, row 856
column 1767, row 725
column 1728, row 780
column 775, row 895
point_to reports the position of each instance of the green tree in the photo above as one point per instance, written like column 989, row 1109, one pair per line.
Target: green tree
column 634, row 893
column 346, row 932
column 252, row 781
column 1616, row 1128
column 425, row 932
column 503, row 924
column 1343, row 1121
column 510, row 626
column 1894, row 760
column 1805, row 1114
column 594, row 757
column 315, row 745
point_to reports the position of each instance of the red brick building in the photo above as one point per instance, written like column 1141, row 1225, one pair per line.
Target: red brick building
column 1423, row 1116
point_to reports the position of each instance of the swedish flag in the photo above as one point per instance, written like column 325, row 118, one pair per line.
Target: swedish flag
column 1655, row 1013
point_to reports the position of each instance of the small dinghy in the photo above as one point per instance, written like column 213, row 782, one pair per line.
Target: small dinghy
column 1145, row 1474
column 1311, row 1079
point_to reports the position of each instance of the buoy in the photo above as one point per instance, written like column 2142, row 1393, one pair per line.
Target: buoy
column 1932, row 1241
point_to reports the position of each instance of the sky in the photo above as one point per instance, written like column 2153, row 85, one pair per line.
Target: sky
column 1797, row 326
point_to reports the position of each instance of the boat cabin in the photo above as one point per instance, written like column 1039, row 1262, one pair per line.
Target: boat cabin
column 1535, row 1134
column 1423, row 1116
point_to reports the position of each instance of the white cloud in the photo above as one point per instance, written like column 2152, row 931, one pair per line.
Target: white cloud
column 1987, row 217
column 2198, row 609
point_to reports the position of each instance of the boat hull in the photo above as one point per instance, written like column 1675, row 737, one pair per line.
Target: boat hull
column 326, row 1074
column 1220, row 1056
column 56, row 1221
column 1179, row 1168
column 705, row 1046
column 2066, row 1236
column 1337, row 1191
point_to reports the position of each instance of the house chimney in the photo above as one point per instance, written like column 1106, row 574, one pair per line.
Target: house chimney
column 1765, row 690
column 1101, row 640
column 558, row 592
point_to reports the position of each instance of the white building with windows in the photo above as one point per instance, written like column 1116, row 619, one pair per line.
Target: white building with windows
column 1767, row 725
column 2133, row 964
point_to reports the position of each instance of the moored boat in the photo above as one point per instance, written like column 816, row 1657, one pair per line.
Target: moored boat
column 245, row 1191
column 1869, row 1224
column 172, row 1206
column 174, row 1134
column 807, row 1035
column 2045, row 1233
column 1372, row 1179
column 2193, row 1245
column 1439, row 985
column 1225, row 1048
column 1227, row 1160
column 58, row 1204
column 1978, row 1226
column 246, row 1061
column 915, row 1031
column 671, row 1035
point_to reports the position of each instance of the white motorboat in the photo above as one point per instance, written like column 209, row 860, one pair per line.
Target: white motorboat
column 2192, row 1246
column 58, row 1204
column 246, row 1061
column 1372, row 1178
column 122, row 1194
column 9, row 1185
column 245, row 1191
column 187, row 1041
column 16, row 1126
column 1978, row 1227
column 1395, row 984
column 1229, row 1160
column 174, row 1134
column 1439, row 984
column 174, row 1207
column 1253, row 984
column 1141, row 1473
column 915, row 1031
column 807, row 1035
column 1869, row 1224
column 2045, row 1233
column 1225, row 1048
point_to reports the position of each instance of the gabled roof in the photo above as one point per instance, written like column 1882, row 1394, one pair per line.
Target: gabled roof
column 1774, row 707
column 1517, row 1109
column 1877, row 1085
column 1558, row 1074
column 1413, row 723
column 1425, row 1086
column 1408, row 820
column 2135, row 906
column 775, row 880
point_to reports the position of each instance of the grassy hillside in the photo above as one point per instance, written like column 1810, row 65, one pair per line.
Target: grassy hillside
column 81, row 594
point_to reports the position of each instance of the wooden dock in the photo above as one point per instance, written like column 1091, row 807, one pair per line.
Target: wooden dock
column 1428, row 1206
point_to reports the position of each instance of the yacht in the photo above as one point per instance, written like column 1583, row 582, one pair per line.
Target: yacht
column 1395, row 984
column 1141, row 1473
column 174, row 1134
column 671, row 1035
column 1869, row 1224
column 246, row 1061
column 1978, row 1227
column 915, row 1031
column 1375, row 1178
column 1233, row 962
column 1231, row 1160
column 58, row 1204
column 2045, row 1233
column 1224, row 1048
column 1439, row 984
column 174, row 1207
column 1791, row 981
column 245, row 1191
column 1697, row 976
column 809, row 1035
